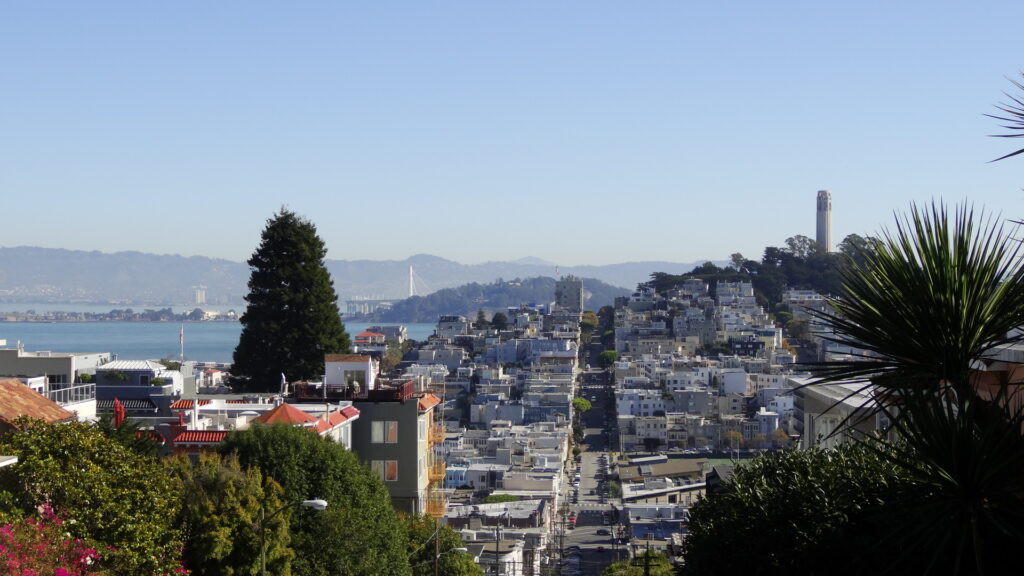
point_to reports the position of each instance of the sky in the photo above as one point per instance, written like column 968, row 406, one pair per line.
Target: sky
column 581, row 133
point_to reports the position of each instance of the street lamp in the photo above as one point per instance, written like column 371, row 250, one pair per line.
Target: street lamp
column 437, row 549
column 317, row 504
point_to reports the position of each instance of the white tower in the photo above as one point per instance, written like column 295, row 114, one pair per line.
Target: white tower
column 824, row 230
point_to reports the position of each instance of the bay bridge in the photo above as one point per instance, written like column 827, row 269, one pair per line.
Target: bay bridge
column 358, row 305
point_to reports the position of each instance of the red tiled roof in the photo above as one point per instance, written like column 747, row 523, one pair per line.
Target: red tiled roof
column 350, row 411
column 201, row 437
column 286, row 414
column 184, row 404
column 369, row 335
column 17, row 399
column 346, row 358
column 428, row 401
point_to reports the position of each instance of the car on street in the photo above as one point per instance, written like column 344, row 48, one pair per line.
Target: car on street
column 603, row 532
column 600, row 548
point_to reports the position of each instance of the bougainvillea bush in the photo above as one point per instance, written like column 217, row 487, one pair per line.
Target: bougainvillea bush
column 42, row 547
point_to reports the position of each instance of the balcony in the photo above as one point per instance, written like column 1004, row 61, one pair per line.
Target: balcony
column 437, row 504
column 436, row 472
column 384, row 392
column 72, row 394
column 436, row 433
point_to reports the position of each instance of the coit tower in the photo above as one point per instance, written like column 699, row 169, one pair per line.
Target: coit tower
column 824, row 236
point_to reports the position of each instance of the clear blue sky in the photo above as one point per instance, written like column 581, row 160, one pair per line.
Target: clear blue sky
column 577, row 132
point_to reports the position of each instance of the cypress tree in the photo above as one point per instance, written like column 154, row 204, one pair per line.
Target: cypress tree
column 292, row 319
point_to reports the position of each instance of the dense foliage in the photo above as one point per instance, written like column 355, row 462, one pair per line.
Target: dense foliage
column 648, row 563
column 221, row 518
column 359, row 532
column 40, row 545
column 800, row 264
column 120, row 502
column 796, row 512
column 430, row 540
column 292, row 319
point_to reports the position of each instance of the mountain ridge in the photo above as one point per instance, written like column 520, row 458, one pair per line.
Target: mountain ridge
column 37, row 274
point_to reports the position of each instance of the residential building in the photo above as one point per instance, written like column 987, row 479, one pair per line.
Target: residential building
column 569, row 293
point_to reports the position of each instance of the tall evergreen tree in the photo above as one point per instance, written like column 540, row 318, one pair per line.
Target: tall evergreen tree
column 292, row 319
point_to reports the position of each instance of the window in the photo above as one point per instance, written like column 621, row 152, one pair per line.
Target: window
column 386, row 470
column 384, row 432
column 422, row 430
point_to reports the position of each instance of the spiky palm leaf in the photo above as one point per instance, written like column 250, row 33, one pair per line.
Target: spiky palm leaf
column 1014, row 118
column 934, row 298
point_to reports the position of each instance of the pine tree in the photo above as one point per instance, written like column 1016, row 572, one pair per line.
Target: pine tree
column 292, row 319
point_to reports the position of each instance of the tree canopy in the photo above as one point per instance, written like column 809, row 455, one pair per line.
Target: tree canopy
column 793, row 512
column 121, row 502
column 607, row 358
column 359, row 532
column 428, row 537
column 292, row 319
column 221, row 517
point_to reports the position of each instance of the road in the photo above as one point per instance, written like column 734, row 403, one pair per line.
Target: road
column 588, row 552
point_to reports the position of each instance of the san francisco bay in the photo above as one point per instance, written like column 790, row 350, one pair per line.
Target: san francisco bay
column 203, row 341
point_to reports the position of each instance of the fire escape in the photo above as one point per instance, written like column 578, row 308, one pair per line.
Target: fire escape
column 437, row 499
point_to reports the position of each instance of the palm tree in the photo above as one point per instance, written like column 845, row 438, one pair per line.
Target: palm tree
column 1013, row 117
column 931, row 303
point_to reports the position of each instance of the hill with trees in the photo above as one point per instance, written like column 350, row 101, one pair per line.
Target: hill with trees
column 497, row 296
column 801, row 264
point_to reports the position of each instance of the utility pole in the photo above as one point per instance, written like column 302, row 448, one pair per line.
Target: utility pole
column 497, row 543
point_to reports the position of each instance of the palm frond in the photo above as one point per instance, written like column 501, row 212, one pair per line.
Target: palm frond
column 1013, row 119
column 934, row 297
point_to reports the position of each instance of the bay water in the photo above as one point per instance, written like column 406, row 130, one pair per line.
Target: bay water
column 204, row 341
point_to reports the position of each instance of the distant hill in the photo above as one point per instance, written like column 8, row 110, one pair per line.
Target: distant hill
column 467, row 299
column 31, row 274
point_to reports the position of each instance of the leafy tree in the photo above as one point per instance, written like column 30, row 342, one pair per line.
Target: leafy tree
column 802, row 247
column 292, row 319
column 783, row 317
column 580, row 405
column 737, row 261
column 648, row 563
column 799, row 328
column 933, row 301
column 607, row 358
column 795, row 511
column 221, row 517
column 499, row 321
column 358, row 533
column 705, row 268
column 606, row 317
column 858, row 248
column 122, row 503
column 481, row 319
column 430, row 540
